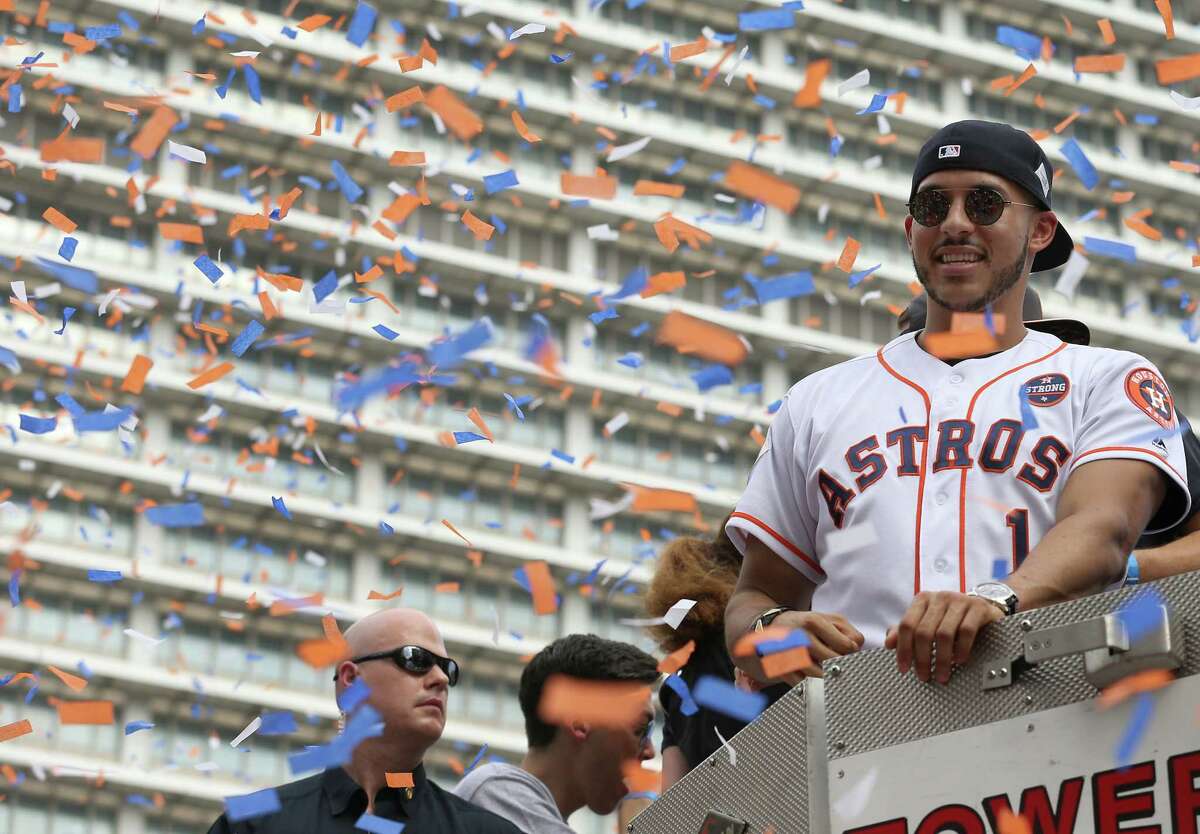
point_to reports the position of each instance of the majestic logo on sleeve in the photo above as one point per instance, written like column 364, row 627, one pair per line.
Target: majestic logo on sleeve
column 1150, row 394
column 1046, row 390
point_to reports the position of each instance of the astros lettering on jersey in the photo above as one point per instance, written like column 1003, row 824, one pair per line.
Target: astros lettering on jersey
column 896, row 473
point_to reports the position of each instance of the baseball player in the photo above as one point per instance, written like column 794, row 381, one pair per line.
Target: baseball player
column 1156, row 555
column 908, row 499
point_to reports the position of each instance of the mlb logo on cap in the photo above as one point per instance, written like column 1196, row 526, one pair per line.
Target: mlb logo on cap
column 948, row 150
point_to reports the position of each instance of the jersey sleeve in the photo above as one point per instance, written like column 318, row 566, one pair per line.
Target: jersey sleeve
column 774, row 508
column 1129, row 413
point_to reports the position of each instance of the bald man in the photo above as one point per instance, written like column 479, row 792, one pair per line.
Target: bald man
column 398, row 658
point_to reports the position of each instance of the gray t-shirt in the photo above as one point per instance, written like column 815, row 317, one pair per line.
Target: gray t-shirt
column 515, row 794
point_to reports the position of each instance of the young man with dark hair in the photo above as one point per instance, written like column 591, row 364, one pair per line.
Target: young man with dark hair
column 576, row 764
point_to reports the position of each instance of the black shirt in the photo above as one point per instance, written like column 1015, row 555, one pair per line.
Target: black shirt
column 331, row 803
column 1191, row 463
column 695, row 735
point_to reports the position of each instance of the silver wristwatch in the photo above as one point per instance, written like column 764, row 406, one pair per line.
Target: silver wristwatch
column 998, row 594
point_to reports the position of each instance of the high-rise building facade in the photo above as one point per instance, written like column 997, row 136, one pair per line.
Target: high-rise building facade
column 323, row 458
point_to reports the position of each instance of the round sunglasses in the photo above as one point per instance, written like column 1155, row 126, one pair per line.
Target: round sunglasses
column 983, row 205
column 415, row 660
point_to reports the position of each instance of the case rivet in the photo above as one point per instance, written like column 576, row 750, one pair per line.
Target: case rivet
column 1029, row 727
column 1028, row 702
column 1026, row 625
column 991, row 674
column 835, row 670
column 839, row 745
column 841, row 774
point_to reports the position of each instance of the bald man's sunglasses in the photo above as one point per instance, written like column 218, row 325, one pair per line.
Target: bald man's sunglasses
column 983, row 205
column 416, row 660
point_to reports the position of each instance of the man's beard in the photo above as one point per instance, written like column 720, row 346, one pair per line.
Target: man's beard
column 1003, row 280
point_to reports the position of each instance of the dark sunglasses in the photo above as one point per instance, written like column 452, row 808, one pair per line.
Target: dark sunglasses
column 415, row 660
column 983, row 205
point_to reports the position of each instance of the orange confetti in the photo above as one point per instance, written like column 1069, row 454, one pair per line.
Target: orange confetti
column 523, row 129
column 663, row 282
column 670, row 229
column 648, row 499
column 73, row 149
column 1030, row 72
column 73, row 681
column 640, row 779
column 85, row 712
column 845, row 261
column 810, row 94
column 313, row 22
column 407, row 98
column 135, row 377
column 186, row 232
column 650, row 188
column 687, row 50
column 677, row 659
column 211, row 375
column 1009, row 823
column 541, row 586
column 1168, row 17
column 399, row 780
column 446, row 588
column 59, row 220
column 480, row 228
column 618, row 704
column 374, row 595
column 455, row 531
column 150, row 138
column 320, row 652
column 1174, row 70
column 598, row 187
column 15, row 730
column 407, row 158
column 475, row 417
column 696, row 337
column 1106, row 31
column 460, row 119
column 778, row 664
column 756, row 184
column 1100, row 63
column 1146, row 681
column 268, row 306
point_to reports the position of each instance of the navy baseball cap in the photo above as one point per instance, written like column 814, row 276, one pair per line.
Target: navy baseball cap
column 1002, row 150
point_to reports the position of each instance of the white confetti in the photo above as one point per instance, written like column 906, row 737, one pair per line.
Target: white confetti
column 882, row 123
column 616, row 424
column 248, row 53
column 528, row 29
column 211, row 413
column 623, row 151
column 250, row 730
column 727, row 746
column 870, row 296
column 18, row 289
column 600, row 509
column 495, row 626
column 47, row 290
column 325, row 463
column 70, row 115
column 1185, row 102
column 5, row 203
column 109, row 296
column 137, row 635
column 495, row 31
column 860, row 79
column 741, row 57
column 186, row 153
column 1071, row 275
column 678, row 611
column 602, row 232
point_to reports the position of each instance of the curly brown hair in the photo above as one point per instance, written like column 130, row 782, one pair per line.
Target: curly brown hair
column 692, row 568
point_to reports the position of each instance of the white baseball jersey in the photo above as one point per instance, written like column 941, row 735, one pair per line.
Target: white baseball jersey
column 896, row 473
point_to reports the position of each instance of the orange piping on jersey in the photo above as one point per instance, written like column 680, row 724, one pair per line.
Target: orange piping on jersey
column 962, row 483
column 1165, row 462
column 808, row 560
column 921, row 475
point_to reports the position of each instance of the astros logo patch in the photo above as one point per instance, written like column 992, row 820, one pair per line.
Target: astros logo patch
column 1046, row 390
column 1149, row 393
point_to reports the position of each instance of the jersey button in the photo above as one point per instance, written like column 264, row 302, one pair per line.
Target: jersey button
column 951, row 402
column 956, row 378
column 941, row 565
column 939, row 499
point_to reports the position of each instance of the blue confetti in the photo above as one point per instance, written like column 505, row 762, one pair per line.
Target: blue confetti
column 83, row 280
column 38, row 425
column 247, row 337
column 603, row 315
column 1142, row 614
column 252, row 805
column 461, row 437
column 95, row 575
column 363, row 724
column 712, row 376
column 722, row 696
column 1026, row 44
column 378, row 825
column 632, row 359
column 252, row 84
column 783, row 286
column 766, row 19
column 279, row 723
column 1110, row 248
column 325, row 287
column 877, row 102
column 102, row 420
column 1143, row 711
column 857, row 278
column 999, row 569
column 208, row 268
column 176, row 515
column 66, row 250
column 796, row 639
column 351, row 397
column 563, row 456
column 14, row 588
column 136, row 726
column 385, row 331
column 476, row 760
column 450, row 352
column 560, row 59
column 687, row 704
column 352, row 190
column 498, row 182
column 1084, row 169
column 278, row 504
column 66, row 317
column 362, row 24
column 102, row 33
column 353, row 695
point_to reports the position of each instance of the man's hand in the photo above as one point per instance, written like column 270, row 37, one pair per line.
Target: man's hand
column 946, row 618
column 830, row 635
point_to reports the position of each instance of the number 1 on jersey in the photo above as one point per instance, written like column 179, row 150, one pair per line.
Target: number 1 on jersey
column 1018, row 520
